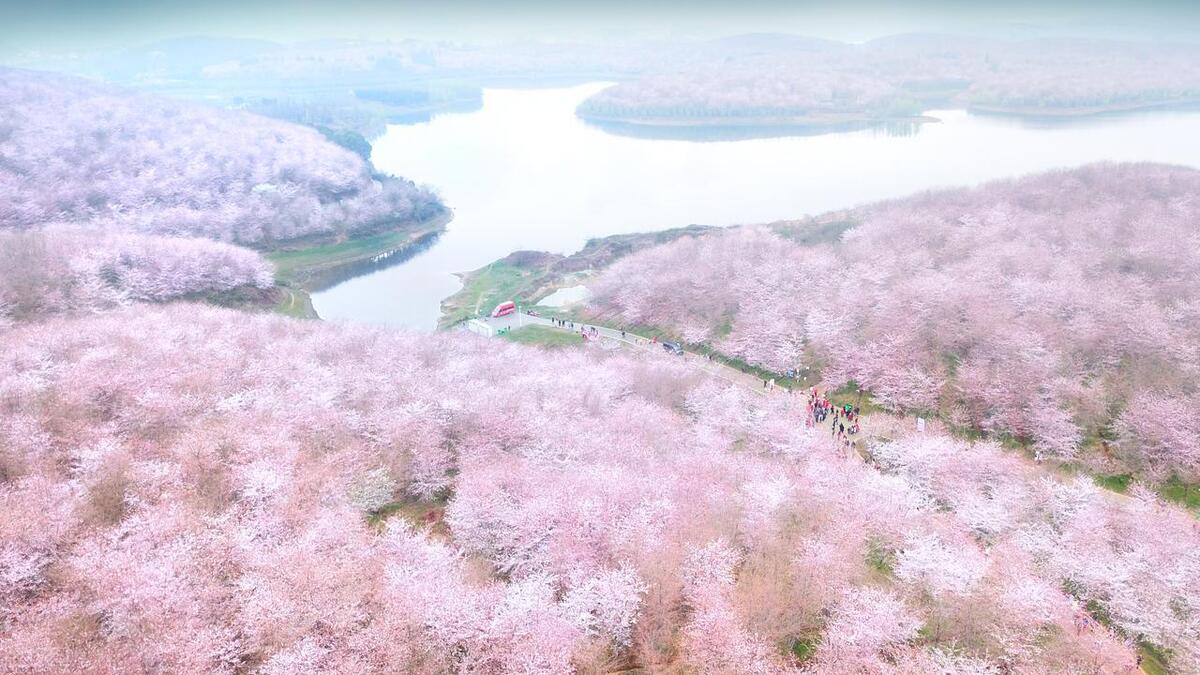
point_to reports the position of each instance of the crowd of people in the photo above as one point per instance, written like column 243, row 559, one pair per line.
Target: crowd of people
column 585, row 332
column 844, row 419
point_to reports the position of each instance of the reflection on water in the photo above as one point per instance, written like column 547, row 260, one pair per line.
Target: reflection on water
column 721, row 132
column 524, row 172
column 422, row 116
column 329, row 278
column 1092, row 120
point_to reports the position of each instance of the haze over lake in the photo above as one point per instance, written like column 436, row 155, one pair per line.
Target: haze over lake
column 524, row 173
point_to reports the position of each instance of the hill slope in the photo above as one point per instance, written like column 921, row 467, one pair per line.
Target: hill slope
column 81, row 152
column 1041, row 307
column 176, row 496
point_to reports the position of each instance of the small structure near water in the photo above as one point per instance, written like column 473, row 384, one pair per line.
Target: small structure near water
column 566, row 296
column 480, row 328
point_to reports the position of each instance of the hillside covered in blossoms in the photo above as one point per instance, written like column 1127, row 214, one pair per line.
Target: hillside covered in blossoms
column 65, row 270
column 1052, row 308
column 176, row 496
column 590, row 421
column 86, row 153
column 111, row 196
column 806, row 82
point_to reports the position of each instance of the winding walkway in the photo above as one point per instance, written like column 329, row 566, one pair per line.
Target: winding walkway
column 713, row 366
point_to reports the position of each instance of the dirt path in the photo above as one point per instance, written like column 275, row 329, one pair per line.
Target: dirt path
column 712, row 366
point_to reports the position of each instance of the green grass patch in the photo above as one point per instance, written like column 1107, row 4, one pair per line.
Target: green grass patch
column 855, row 397
column 1177, row 490
column 812, row 233
column 880, row 558
column 1100, row 613
column 1154, row 661
column 973, row 434
column 1117, row 483
column 292, row 302
column 951, row 361
column 482, row 290
column 544, row 336
column 725, row 328
column 804, row 648
column 419, row 514
column 295, row 303
column 298, row 267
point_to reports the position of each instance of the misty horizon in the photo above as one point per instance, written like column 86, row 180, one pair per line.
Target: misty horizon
column 60, row 26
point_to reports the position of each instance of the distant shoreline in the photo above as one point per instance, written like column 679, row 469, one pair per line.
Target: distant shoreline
column 1081, row 111
column 324, row 263
column 849, row 120
column 528, row 276
column 754, row 121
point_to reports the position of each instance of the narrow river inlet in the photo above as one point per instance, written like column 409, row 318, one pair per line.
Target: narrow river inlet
column 524, row 173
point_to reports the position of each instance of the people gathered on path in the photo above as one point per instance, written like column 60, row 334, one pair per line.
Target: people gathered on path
column 844, row 419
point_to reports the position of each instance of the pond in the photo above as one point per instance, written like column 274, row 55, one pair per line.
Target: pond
column 523, row 172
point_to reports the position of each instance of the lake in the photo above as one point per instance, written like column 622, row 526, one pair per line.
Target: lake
column 523, row 172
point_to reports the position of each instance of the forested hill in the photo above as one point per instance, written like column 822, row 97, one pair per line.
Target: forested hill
column 900, row 76
column 81, row 152
column 1056, row 307
column 175, row 496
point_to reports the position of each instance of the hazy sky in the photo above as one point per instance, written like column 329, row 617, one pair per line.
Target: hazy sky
column 57, row 25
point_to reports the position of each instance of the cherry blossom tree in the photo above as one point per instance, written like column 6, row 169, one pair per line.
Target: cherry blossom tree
column 1162, row 432
column 64, row 269
column 81, row 152
column 175, row 496
column 1019, row 306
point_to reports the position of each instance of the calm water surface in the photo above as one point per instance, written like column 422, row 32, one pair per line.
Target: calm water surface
column 524, row 173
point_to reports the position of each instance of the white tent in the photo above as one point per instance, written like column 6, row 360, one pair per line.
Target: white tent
column 480, row 327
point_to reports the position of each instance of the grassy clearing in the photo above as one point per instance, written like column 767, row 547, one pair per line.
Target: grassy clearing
column 855, row 397
column 291, row 302
column 295, row 303
column 544, row 336
column 880, row 558
column 1117, row 483
column 304, row 268
column 298, row 267
column 1175, row 489
column 814, row 233
column 482, row 290
column 528, row 276
column 420, row 514
column 804, row 648
column 1153, row 661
